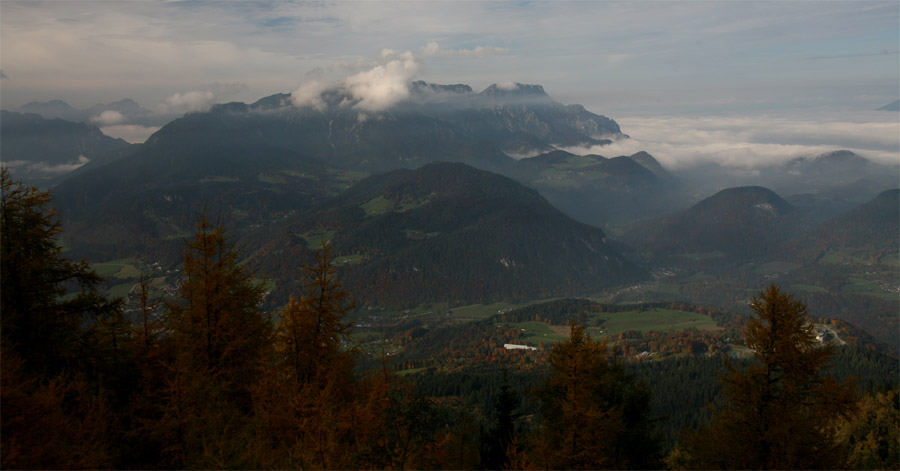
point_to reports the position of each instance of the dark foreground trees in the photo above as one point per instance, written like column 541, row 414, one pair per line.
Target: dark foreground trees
column 61, row 343
column 593, row 415
column 781, row 411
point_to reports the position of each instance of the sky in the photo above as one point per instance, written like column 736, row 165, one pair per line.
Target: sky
column 647, row 63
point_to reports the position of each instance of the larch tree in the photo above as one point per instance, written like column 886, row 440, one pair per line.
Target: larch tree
column 220, row 341
column 593, row 415
column 60, row 342
column 780, row 411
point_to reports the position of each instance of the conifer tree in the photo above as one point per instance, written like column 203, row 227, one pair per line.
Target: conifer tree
column 780, row 411
column 60, row 345
column 593, row 415
column 220, row 341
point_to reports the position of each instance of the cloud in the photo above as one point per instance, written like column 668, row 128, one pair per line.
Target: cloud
column 507, row 86
column 201, row 99
column 131, row 133
column 432, row 49
column 750, row 142
column 108, row 118
column 45, row 168
column 384, row 85
column 376, row 89
column 310, row 94
column 197, row 100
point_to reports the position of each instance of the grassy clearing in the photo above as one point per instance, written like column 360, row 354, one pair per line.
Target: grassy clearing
column 347, row 260
column 652, row 319
column 271, row 178
column 869, row 288
column 892, row 259
column 702, row 255
column 121, row 290
column 410, row 371
column 841, row 258
column 315, row 238
column 534, row 332
column 775, row 267
column 121, row 268
column 802, row 288
column 218, row 179
column 377, row 205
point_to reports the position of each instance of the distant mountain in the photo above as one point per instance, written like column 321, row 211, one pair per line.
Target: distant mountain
column 436, row 123
column 874, row 225
column 893, row 106
column 129, row 110
column 155, row 193
column 822, row 185
column 41, row 151
column 599, row 190
column 54, row 109
column 449, row 232
column 739, row 222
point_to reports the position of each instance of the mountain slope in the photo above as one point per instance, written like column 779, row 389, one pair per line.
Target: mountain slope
column 42, row 150
column 875, row 224
column 599, row 190
column 740, row 222
column 449, row 232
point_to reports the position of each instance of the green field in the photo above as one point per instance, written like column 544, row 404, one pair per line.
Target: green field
column 122, row 268
column 315, row 238
column 775, row 267
column 536, row 331
column 377, row 205
column 652, row 319
column 217, row 179
column 840, row 258
column 616, row 323
column 892, row 259
column 702, row 255
column 121, row 290
column 802, row 288
column 347, row 260
column 869, row 288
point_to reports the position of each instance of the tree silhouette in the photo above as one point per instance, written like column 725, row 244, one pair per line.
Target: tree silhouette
column 593, row 415
column 780, row 411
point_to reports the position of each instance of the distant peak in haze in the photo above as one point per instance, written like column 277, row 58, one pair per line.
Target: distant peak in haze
column 893, row 106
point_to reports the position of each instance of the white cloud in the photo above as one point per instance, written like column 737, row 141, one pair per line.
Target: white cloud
column 433, row 49
column 750, row 142
column 196, row 100
column 201, row 99
column 507, row 85
column 108, row 118
column 45, row 168
column 131, row 133
column 310, row 94
column 383, row 85
column 376, row 89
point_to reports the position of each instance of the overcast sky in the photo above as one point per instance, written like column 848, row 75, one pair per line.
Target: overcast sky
column 620, row 59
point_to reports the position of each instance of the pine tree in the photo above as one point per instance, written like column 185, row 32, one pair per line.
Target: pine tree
column 780, row 411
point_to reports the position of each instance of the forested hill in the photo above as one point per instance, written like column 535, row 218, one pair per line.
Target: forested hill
column 740, row 222
column 875, row 224
column 448, row 232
